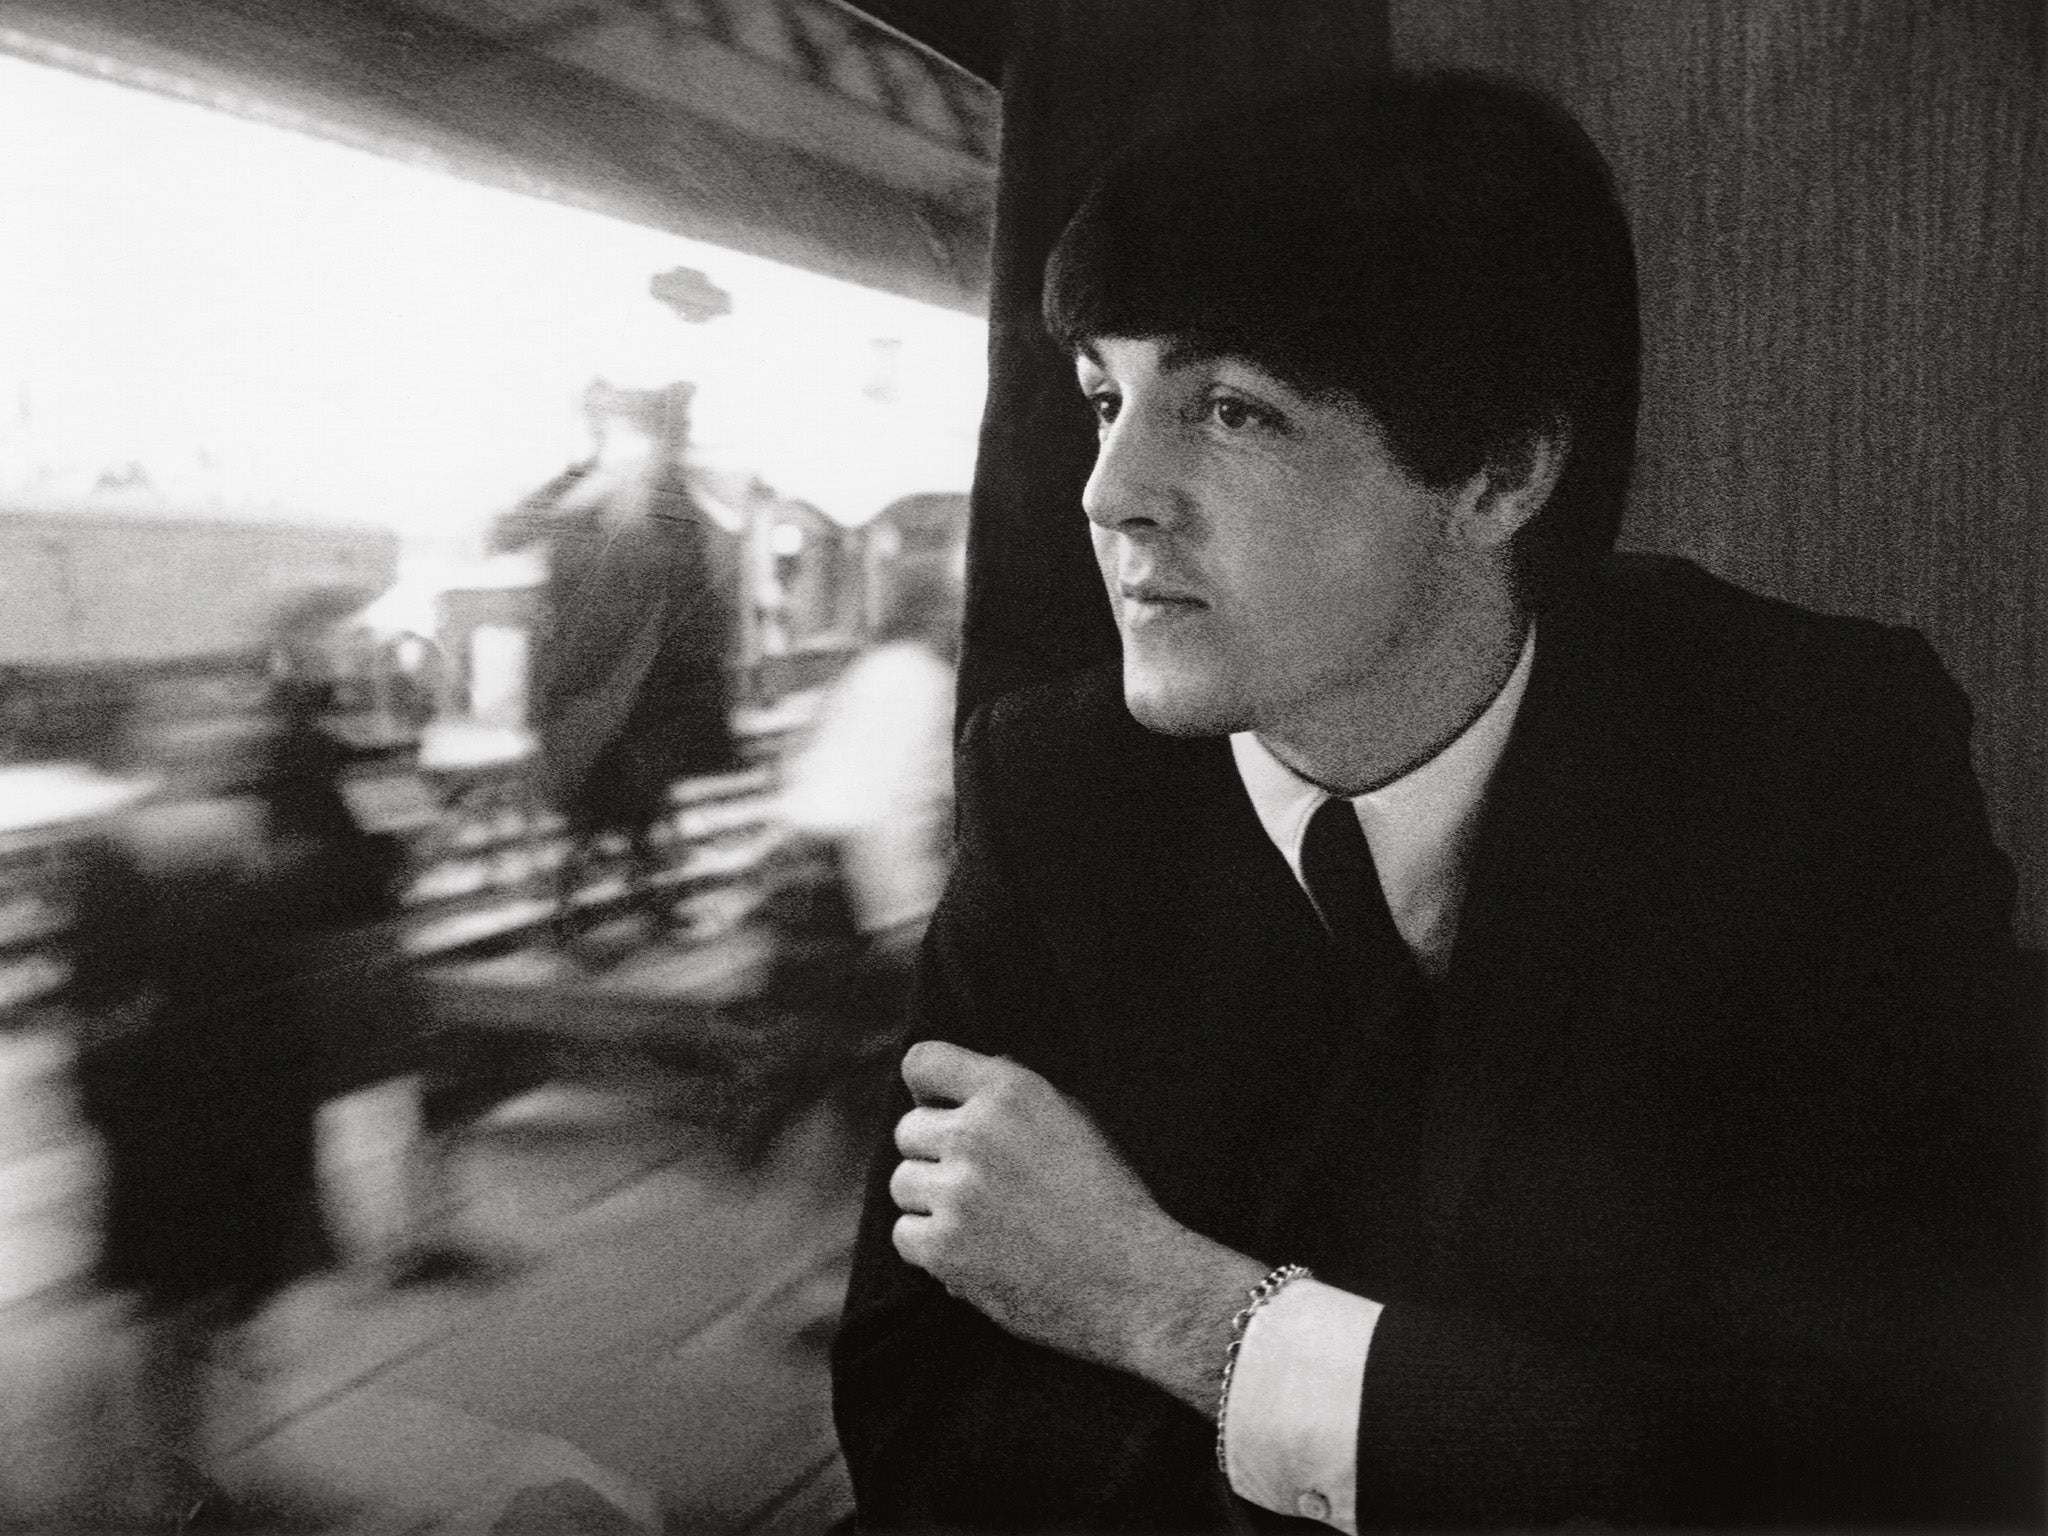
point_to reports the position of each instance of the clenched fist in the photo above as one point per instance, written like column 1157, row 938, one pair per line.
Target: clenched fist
column 1018, row 1205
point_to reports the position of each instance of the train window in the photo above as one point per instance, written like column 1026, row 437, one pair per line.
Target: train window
column 210, row 320
column 518, row 636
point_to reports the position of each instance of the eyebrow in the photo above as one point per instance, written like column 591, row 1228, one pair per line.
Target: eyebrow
column 1179, row 352
column 1182, row 352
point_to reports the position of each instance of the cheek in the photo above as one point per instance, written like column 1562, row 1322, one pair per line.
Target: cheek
column 1308, row 577
column 1334, row 585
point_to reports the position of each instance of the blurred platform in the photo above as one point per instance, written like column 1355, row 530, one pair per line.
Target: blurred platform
column 662, row 991
column 655, row 1362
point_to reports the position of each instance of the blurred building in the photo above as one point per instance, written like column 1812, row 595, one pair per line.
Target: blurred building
column 83, row 586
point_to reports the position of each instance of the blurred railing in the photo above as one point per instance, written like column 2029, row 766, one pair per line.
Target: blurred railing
column 490, row 879
column 484, row 876
column 32, row 922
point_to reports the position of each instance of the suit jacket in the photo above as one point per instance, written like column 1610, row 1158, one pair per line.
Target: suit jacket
column 1709, row 1197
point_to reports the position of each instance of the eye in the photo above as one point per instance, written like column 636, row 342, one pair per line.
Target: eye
column 1234, row 413
column 1105, row 404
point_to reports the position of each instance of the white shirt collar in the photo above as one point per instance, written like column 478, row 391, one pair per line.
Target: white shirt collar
column 1419, row 826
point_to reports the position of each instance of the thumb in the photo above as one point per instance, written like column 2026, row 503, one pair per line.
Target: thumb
column 939, row 1073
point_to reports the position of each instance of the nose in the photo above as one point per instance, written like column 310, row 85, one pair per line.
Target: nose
column 1131, row 487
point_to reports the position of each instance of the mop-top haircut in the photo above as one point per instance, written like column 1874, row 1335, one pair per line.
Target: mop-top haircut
column 1445, row 249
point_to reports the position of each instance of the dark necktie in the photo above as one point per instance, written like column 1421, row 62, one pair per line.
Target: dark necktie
column 1337, row 868
column 1354, row 1181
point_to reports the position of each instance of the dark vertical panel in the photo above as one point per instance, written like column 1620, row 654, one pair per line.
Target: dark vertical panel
column 1839, row 209
column 1079, row 78
column 969, row 32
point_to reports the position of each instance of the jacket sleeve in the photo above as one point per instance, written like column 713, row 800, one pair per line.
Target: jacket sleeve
column 946, row 1421
column 1884, row 1371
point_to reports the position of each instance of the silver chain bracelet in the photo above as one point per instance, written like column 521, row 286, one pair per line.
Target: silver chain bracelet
column 1274, row 1283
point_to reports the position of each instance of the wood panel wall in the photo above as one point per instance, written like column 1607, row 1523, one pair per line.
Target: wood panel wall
column 1839, row 213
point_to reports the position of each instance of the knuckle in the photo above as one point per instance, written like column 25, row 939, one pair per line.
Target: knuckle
column 1015, row 1088
column 970, row 1123
column 964, row 1187
column 982, row 1136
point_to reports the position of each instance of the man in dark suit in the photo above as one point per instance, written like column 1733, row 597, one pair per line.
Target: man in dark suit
column 1597, row 977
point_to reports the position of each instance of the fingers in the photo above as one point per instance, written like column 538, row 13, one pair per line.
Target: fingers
column 914, row 1186
column 939, row 1072
column 911, row 1237
column 921, row 1133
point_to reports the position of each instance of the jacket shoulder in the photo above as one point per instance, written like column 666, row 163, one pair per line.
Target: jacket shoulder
column 1062, row 778
column 1067, row 732
column 1088, row 703
column 1674, row 595
column 1677, row 635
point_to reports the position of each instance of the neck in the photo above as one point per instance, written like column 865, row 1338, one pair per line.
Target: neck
column 1408, row 715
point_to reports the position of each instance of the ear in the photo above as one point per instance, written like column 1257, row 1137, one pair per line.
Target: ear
column 1511, row 488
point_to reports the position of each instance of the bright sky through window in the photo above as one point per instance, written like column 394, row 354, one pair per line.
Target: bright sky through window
column 263, row 324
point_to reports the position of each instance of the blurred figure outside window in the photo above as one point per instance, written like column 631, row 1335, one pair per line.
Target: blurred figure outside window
column 868, row 804
column 631, row 688
column 232, row 969
column 876, row 777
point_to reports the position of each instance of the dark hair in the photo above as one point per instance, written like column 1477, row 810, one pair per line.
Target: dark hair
column 1447, row 249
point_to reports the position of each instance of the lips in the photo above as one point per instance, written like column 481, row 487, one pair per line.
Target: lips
column 1154, row 594
column 1151, row 605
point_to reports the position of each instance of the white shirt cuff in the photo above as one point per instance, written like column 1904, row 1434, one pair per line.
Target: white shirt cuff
column 1291, row 1422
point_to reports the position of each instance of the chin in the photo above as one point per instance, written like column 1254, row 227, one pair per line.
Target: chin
column 1178, row 706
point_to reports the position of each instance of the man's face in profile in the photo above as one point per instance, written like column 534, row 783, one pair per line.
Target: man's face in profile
column 1266, row 558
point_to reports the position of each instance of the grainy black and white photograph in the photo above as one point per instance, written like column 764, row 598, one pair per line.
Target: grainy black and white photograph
column 779, row 767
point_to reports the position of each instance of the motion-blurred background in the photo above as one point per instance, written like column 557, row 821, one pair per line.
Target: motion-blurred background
column 482, row 503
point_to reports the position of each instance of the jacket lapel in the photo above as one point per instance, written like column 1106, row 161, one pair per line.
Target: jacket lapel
column 1397, row 1135
column 1271, row 1071
column 1221, row 988
column 1556, row 884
